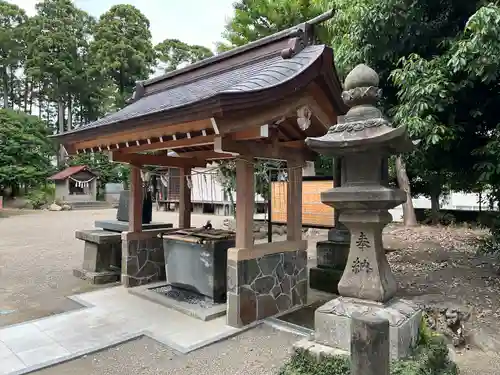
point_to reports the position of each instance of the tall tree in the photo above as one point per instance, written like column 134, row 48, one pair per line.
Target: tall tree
column 462, row 99
column 55, row 37
column 381, row 33
column 173, row 54
column 12, row 47
column 122, row 46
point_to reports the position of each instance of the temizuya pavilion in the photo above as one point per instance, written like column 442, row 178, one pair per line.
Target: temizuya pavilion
column 244, row 104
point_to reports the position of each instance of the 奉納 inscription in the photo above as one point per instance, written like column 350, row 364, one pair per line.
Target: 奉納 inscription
column 362, row 242
column 361, row 265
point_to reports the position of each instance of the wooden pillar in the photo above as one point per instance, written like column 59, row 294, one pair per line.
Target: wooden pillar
column 294, row 202
column 135, row 200
column 245, row 199
column 185, row 199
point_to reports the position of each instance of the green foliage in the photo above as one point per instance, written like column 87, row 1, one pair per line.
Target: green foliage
column 25, row 150
column 123, row 49
column 174, row 54
column 255, row 19
column 227, row 176
column 12, row 20
column 430, row 358
column 55, row 36
column 41, row 196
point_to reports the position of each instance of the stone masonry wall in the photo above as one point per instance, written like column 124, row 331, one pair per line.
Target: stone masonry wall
column 263, row 287
column 143, row 261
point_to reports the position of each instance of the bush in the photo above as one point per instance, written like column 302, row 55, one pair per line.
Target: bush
column 41, row 196
column 430, row 358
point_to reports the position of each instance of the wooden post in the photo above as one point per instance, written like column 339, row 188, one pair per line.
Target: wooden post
column 294, row 202
column 270, row 208
column 185, row 199
column 370, row 353
column 245, row 199
column 135, row 200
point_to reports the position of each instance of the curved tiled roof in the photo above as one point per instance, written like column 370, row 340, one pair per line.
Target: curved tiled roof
column 261, row 74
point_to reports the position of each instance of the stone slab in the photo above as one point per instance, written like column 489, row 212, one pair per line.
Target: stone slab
column 97, row 278
column 333, row 323
column 98, row 236
column 195, row 311
column 110, row 316
column 122, row 226
column 325, row 279
column 317, row 350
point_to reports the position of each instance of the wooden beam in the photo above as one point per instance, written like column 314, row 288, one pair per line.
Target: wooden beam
column 263, row 150
column 203, row 140
column 251, row 133
column 322, row 100
column 135, row 200
column 154, row 131
column 293, row 144
column 185, row 199
column 294, row 203
column 171, row 144
column 205, row 155
column 245, row 198
column 244, row 120
column 159, row 160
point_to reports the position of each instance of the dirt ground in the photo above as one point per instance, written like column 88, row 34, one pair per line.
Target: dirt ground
column 39, row 251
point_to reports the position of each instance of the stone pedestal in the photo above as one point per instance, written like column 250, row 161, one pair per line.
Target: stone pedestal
column 368, row 275
column 332, row 323
column 101, row 256
column 331, row 261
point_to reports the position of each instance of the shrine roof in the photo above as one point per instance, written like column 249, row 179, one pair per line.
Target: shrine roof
column 242, row 79
column 68, row 172
column 259, row 74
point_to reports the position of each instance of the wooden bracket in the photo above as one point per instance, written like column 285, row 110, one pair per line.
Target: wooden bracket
column 160, row 160
column 264, row 150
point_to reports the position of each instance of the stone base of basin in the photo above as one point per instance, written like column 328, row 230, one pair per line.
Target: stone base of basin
column 265, row 281
column 201, row 307
column 97, row 278
column 332, row 323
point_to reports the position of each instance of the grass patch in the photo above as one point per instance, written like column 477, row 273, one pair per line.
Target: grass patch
column 429, row 358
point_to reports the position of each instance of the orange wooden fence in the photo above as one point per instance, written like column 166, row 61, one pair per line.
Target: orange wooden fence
column 314, row 213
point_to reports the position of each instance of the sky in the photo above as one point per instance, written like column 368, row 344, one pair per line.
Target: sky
column 191, row 21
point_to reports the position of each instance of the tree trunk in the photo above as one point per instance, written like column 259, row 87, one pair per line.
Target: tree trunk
column 435, row 206
column 60, row 121
column 70, row 113
column 25, row 98
column 12, row 88
column 5, row 88
column 409, row 216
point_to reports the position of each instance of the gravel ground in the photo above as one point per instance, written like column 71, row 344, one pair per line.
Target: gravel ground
column 259, row 351
column 38, row 253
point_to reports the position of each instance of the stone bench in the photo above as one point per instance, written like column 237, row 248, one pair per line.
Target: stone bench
column 101, row 256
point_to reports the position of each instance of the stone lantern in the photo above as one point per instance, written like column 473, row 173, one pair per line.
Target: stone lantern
column 363, row 140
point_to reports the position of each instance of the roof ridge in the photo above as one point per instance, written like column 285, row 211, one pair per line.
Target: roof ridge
column 287, row 33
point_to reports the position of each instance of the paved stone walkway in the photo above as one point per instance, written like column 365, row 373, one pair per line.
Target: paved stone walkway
column 111, row 316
